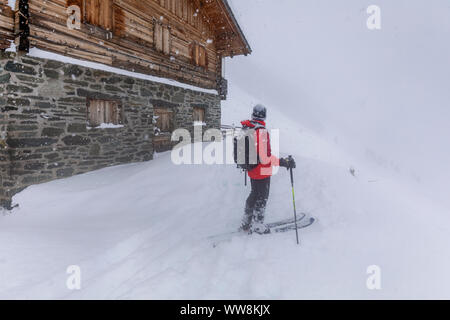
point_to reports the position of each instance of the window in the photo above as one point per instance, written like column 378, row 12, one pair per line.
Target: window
column 164, row 119
column 199, row 115
column 104, row 112
column 95, row 12
column 162, row 38
column 199, row 55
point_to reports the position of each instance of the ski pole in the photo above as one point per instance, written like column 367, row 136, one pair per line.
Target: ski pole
column 245, row 175
column 293, row 200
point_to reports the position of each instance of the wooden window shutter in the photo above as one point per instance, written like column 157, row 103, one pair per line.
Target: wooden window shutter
column 158, row 34
column 199, row 55
column 95, row 113
column 111, row 112
column 199, row 114
column 100, row 13
column 165, row 122
column 103, row 111
column 196, row 54
column 165, row 119
column 203, row 57
column 162, row 38
column 106, row 14
column 166, row 40
column 192, row 51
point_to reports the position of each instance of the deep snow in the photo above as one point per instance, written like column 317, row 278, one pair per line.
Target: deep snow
column 139, row 231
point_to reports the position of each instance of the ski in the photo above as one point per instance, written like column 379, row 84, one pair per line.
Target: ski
column 304, row 224
column 285, row 221
column 269, row 225
column 275, row 227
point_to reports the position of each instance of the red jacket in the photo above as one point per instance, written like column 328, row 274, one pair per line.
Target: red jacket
column 266, row 159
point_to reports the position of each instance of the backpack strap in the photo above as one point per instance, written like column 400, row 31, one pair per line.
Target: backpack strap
column 257, row 125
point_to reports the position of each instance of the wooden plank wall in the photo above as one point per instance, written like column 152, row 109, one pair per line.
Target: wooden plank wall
column 130, row 43
column 6, row 24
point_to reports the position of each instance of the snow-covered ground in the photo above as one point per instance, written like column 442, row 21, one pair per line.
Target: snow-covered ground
column 140, row 231
column 345, row 100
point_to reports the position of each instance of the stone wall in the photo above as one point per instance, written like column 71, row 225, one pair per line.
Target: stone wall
column 43, row 120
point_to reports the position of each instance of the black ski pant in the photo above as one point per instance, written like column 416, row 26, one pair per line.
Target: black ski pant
column 255, row 206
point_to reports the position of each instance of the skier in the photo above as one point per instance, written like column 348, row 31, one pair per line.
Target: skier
column 255, row 205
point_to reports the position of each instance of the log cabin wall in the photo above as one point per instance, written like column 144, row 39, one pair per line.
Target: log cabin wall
column 158, row 37
column 6, row 25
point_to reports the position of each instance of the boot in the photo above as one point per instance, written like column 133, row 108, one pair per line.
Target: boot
column 246, row 221
column 258, row 225
column 260, row 228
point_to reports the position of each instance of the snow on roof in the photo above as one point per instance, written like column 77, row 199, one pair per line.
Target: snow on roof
column 38, row 53
column 230, row 9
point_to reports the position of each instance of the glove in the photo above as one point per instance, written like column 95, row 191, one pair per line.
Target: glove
column 288, row 163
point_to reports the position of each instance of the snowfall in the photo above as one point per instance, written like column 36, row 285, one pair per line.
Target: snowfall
column 143, row 230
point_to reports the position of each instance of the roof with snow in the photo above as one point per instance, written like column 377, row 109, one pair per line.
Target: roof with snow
column 231, row 40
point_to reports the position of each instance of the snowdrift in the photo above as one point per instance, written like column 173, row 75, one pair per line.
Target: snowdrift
column 140, row 231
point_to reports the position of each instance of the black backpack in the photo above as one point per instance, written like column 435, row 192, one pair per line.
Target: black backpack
column 245, row 155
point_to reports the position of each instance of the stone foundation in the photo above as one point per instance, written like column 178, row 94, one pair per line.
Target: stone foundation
column 43, row 120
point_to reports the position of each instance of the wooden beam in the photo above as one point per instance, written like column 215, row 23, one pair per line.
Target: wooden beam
column 24, row 28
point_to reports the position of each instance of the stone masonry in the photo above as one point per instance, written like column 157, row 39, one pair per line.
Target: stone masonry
column 43, row 120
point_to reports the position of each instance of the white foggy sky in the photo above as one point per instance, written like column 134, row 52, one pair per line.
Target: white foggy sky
column 387, row 91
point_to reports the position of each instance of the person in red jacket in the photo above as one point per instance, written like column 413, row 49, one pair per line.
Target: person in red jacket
column 255, row 206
